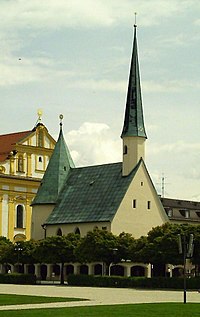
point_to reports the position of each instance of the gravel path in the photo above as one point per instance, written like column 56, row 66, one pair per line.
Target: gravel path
column 96, row 296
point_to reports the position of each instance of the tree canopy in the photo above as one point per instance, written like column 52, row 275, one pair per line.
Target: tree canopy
column 160, row 246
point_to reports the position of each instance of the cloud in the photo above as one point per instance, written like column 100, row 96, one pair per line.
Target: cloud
column 169, row 85
column 53, row 14
column 175, row 148
column 197, row 22
column 93, row 143
column 100, row 85
column 19, row 70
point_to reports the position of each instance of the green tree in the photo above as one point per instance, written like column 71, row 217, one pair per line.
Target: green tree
column 5, row 246
column 57, row 249
column 98, row 245
column 137, row 250
column 126, row 244
column 162, row 245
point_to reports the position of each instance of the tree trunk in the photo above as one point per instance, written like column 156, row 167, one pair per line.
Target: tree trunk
column 62, row 281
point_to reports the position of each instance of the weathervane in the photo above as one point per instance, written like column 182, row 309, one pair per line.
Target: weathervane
column 61, row 118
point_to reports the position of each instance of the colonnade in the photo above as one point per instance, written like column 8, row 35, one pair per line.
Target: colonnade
column 51, row 272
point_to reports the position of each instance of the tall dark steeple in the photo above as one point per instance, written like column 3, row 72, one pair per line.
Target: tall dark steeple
column 133, row 121
column 133, row 133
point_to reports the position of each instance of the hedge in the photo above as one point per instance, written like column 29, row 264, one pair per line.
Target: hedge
column 133, row 282
column 17, row 278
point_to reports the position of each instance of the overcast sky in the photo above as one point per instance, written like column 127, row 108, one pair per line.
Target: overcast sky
column 73, row 57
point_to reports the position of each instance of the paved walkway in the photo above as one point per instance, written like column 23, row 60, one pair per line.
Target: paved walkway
column 96, row 296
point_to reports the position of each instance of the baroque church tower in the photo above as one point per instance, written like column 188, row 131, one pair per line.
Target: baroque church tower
column 133, row 133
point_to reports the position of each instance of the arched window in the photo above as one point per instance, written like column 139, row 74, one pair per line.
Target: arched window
column 19, row 216
column 77, row 231
column 59, row 232
column 20, row 163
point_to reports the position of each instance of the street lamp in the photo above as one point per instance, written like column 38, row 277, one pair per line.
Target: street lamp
column 187, row 251
column 114, row 253
column 18, row 248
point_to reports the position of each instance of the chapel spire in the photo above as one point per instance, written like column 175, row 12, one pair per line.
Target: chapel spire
column 56, row 173
column 134, row 121
column 133, row 132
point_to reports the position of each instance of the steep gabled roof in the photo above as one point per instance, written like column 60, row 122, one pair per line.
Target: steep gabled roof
column 57, row 170
column 91, row 194
column 7, row 142
column 133, row 120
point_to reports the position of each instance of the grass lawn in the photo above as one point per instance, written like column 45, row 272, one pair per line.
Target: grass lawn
column 136, row 310
column 12, row 299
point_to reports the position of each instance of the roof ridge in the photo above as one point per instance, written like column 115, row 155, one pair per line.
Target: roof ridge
column 12, row 133
column 95, row 165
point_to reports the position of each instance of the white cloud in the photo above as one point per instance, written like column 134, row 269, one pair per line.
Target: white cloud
column 100, row 85
column 93, row 143
column 77, row 13
column 54, row 14
column 197, row 22
column 175, row 148
column 16, row 70
column 169, row 85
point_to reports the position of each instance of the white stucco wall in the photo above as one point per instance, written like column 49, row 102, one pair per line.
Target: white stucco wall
column 83, row 227
column 139, row 220
column 39, row 215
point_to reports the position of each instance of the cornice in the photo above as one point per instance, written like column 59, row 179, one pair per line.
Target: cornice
column 30, row 149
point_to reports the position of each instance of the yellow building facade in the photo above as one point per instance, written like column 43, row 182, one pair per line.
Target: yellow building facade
column 24, row 157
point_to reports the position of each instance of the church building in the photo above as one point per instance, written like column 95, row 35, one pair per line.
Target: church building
column 117, row 197
column 24, row 157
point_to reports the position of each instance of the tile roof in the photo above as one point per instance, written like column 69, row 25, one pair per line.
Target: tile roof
column 91, row 194
column 7, row 142
column 57, row 170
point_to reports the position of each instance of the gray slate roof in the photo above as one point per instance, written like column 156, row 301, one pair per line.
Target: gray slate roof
column 91, row 194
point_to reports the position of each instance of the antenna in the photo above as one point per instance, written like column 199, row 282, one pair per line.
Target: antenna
column 163, row 186
column 162, row 183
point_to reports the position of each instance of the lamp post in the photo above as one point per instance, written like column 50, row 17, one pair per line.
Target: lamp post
column 114, row 253
column 18, row 248
column 187, row 251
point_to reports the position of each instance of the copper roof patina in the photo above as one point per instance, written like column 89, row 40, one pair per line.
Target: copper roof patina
column 57, row 170
column 134, row 121
column 91, row 194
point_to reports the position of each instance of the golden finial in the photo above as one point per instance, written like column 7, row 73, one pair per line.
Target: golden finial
column 39, row 113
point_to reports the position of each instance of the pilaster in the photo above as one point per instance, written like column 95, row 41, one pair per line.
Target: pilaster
column 11, row 218
column 28, row 219
column 12, row 165
column 29, row 165
column 1, row 212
